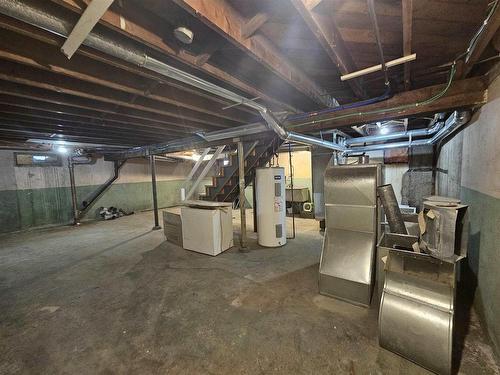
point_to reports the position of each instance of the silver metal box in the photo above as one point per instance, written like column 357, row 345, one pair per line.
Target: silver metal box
column 346, row 265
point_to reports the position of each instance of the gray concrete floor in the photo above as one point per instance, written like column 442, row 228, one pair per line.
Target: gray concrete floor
column 115, row 298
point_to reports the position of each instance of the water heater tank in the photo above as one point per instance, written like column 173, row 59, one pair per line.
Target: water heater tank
column 271, row 206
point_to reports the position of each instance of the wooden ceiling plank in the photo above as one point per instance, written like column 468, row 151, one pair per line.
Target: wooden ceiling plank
column 469, row 93
column 135, row 23
column 407, row 9
column 221, row 17
column 17, row 90
column 42, row 56
column 84, row 121
column 90, row 115
column 50, row 81
column 325, row 31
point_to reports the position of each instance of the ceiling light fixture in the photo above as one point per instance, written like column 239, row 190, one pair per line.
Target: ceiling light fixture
column 183, row 34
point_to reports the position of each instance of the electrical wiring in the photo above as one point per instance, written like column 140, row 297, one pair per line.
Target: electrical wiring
column 466, row 55
column 397, row 108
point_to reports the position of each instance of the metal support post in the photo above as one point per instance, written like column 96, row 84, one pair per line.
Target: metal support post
column 74, row 202
column 241, row 173
column 152, row 163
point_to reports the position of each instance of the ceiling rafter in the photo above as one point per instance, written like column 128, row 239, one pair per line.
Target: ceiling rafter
column 324, row 29
column 221, row 17
column 407, row 10
column 147, row 28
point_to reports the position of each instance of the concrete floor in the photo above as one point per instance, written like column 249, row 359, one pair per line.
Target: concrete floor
column 115, row 298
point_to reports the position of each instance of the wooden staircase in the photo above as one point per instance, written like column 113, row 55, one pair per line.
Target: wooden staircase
column 225, row 184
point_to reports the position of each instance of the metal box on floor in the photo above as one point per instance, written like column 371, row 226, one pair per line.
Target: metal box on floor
column 207, row 227
column 390, row 241
column 417, row 309
column 346, row 265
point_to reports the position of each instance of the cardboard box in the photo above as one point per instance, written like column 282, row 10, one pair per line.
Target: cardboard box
column 207, row 230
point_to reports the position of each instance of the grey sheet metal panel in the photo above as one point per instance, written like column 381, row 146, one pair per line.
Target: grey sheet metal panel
column 346, row 265
column 390, row 241
column 446, row 232
column 417, row 308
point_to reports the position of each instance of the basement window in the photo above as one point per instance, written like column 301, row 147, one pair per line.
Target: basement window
column 37, row 159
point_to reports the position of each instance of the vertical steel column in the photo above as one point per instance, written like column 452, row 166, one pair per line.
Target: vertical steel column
column 74, row 201
column 290, row 165
column 241, row 173
column 152, row 163
column 254, row 196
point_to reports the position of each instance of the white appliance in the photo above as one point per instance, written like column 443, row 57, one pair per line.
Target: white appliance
column 207, row 227
column 271, row 206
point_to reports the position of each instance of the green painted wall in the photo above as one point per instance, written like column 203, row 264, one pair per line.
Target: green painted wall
column 484, row 255
column 27, row 208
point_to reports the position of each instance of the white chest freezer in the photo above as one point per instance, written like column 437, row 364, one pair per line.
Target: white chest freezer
column 207, row 227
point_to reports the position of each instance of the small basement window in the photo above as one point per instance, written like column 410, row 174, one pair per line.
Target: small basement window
column 37, row 159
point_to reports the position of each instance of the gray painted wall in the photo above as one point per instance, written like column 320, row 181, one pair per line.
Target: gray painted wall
column 41, row 196
column 469, row 169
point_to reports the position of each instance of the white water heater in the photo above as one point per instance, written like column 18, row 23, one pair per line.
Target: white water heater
column 271, row 206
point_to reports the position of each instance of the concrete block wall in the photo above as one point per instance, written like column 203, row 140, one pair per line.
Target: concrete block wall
column 41, row 196
column 469, row 169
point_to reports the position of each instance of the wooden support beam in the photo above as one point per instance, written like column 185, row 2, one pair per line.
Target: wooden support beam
column 23, row 112
column 32, row 53
column 18, row 90
column 221, row 17
column 50, row 81
column 467, row 93
column 133, row 22
column 483, row 42
column 87, row 115
column 324, row 29
column 407, row 10
column 251, row 26
column 175, row 88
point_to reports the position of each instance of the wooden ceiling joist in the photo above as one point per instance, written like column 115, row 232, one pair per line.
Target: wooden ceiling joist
column 41, row 56
column 51, row 97
column 146, row 28
column 221, row 17
column 461, row 94
column 50, row 81
column 324, row 29
column 407, row 10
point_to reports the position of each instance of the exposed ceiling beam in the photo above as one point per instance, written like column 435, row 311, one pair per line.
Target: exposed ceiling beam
column 84, row 122
column 35, row 54
column 25, row 104
column 324, row 29
column 54, row 40
column 18, row 90
column 251, row 26
column 50, row 81
column 221, row 17
column 407, row 9
column 467, row 93
column 133, row 22
column 483, row 41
